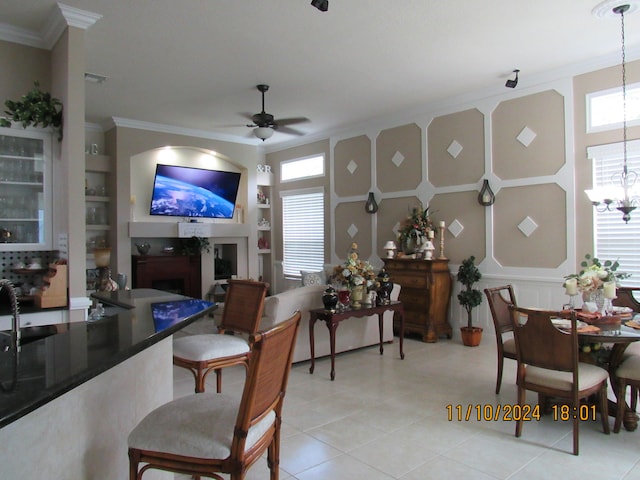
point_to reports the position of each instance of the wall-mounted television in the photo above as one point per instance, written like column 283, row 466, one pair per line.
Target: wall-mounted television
column 194, row 192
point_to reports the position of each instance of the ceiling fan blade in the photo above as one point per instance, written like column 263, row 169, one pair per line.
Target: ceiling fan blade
column 289, row 130
column 291, row 121
column 247, row 115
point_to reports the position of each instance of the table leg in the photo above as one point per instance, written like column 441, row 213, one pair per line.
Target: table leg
column 401, row 313
column 312, row 343
column 332, row 343
column 380, row 328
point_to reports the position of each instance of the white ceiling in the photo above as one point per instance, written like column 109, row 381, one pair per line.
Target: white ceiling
column 194, row 64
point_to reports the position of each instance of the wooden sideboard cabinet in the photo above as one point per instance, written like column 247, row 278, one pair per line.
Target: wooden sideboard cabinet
column 426, row 293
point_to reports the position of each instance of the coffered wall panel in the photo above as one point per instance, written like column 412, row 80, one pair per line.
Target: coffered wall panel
column 352, row 166
column 465, row 225
column 456, row 148
column 399, row 158
column 528, row 136
column 530, row 228
column 391, row 214
column 353, row 224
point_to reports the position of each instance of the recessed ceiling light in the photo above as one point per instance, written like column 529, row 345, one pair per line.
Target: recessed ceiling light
column 94, row 78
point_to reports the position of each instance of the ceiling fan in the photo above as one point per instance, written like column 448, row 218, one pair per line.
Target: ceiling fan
column 264, row 124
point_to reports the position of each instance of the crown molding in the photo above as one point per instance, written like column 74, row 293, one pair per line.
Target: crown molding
column 22, row 36
column 62, row 17
column 65, row 16
column 172, row 129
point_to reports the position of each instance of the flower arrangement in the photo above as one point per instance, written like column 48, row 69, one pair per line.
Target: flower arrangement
column 595, row 273
column 417, row 225
column 354, row 271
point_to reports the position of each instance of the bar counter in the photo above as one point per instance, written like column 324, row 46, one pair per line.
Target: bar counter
column 55, row 359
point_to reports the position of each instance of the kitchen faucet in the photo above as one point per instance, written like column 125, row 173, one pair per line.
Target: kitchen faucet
column 15, row 311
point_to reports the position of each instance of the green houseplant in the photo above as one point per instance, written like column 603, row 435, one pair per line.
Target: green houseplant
column 194, row 245
column 469, row 298
column 37, row 109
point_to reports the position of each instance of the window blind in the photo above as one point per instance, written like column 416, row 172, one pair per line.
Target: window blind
column 302, row 232
column 614, row 239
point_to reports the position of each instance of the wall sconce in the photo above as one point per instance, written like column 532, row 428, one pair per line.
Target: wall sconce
column 486, row 197
column 371, row 206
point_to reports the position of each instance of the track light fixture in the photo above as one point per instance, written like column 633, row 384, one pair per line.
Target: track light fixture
column 322, row 5
column 512, row 83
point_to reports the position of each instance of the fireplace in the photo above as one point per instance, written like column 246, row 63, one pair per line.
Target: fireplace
column 180, row 274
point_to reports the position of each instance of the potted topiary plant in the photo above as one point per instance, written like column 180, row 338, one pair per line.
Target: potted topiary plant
column 469, row 298
column 37, row 109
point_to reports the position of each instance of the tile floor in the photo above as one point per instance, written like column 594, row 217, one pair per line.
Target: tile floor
column 386, row 418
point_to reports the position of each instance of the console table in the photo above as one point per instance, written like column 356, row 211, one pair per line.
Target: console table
column 426, row 293
column 332, row 319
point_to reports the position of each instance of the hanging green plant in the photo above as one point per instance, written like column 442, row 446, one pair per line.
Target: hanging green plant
column 37, row 109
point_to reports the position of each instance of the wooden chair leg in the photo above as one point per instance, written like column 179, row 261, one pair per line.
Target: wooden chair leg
column 521, row 399
column 604, row 409
column 634, row 398
column 622, row 388
column 499, row 379
column 218, row 380
column 576, row 432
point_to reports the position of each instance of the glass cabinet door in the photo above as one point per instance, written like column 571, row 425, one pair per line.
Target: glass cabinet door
column 24, row 192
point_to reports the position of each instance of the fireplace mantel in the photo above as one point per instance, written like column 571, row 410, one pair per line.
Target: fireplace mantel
column 170, row 230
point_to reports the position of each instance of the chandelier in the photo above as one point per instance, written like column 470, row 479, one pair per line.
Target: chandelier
column 623, row 196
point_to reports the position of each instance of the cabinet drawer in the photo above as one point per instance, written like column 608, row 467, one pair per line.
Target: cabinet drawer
column 410, row 281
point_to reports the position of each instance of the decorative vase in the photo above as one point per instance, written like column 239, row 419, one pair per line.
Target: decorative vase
column 384, row 290
column 344, row 297
column 330, row 299
column 595, row 297
column 409, row 245
column 357, row 294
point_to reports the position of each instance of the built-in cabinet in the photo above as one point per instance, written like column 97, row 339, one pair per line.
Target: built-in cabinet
column 98, row 203
column 263, row 204
column 426, row 293
column 25, row 190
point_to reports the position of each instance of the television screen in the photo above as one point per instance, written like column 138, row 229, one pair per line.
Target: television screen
column 166, row 314
column 194, row 192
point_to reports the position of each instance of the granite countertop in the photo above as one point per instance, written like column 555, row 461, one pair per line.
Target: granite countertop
column 54, row 359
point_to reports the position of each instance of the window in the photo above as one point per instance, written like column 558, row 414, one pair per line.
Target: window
column 302, row 231
column 614, row 239
column 302, row 168
column 605, row 108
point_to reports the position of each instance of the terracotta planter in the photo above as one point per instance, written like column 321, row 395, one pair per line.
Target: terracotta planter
column 471, row 337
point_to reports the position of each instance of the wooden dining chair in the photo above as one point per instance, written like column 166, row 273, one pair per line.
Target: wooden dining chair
column 205, row 434
column 627, row 374
column 627, row 297
column 548, row 364
column 201, row 354
column 500, row 298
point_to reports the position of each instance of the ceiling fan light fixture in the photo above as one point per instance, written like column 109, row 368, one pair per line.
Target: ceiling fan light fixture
column 263, row 132
column 322, row 5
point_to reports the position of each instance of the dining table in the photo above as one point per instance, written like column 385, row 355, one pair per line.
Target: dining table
column 613, row 338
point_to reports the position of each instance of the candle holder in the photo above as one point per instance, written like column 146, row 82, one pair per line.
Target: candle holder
column 572, row 301
column 441, row 257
